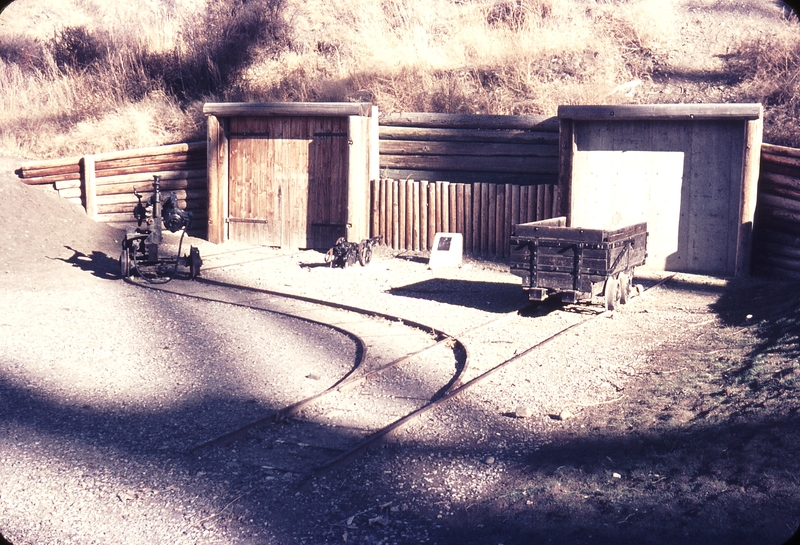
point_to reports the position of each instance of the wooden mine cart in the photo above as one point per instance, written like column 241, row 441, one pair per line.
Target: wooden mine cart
column 576, row 263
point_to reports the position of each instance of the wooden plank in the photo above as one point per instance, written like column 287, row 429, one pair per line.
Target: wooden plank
column 70, row 192
column 44, row 180
column 511, row 136
column 771, row 179
column 545, row 165
column 773, row 201
column 468, row 121
column 122, row 208
column 68, row 184
column 145, row 177
column 474, row 149
column 182, row 194
column 530, row 214
column 287, row 109
column 187, row 147
column 147, row 187
column 773, row 149
column 33, row 171
column 785, row 160
column 147, row 169
column 660, row 112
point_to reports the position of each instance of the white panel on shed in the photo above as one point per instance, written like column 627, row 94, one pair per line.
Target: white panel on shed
column 621, row 188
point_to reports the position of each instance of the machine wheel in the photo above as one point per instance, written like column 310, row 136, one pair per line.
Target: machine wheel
column 124, row 264
column 194, row 262
column 624, row 288
column 611, row 292
column 364, row 253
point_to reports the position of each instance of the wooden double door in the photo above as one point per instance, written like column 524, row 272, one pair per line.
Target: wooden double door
column 288, row 181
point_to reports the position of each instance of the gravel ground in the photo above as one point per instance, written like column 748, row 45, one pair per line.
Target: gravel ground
column 103, row 385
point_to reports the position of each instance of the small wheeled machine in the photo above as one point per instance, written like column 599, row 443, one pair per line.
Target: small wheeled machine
column 141, row 245
column 343, row 254
column 577, row 264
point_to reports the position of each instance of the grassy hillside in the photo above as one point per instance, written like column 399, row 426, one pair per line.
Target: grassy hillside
column 85, row 76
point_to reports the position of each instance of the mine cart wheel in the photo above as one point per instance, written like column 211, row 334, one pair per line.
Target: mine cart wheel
column 124, row 264
column 612, row 294
column 364, row 253
column 194, row 262
column 624, row 288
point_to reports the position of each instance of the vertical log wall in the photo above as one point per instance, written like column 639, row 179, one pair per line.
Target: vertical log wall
column 408, row 213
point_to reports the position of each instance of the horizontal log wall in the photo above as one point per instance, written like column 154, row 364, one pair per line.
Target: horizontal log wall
column 777, row 226
column 408, row 213
column 103, row 184
column 521, row 150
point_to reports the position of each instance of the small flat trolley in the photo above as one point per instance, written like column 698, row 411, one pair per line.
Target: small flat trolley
column 577, row 263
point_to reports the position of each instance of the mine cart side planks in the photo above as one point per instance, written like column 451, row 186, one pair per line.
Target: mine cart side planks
column 577, row 263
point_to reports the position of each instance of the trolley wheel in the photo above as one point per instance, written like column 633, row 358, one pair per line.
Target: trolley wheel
column 611, row 292
column 624, row 288
column 194, row 262
column 364, row 253
column 329, row 257
column 124, row 264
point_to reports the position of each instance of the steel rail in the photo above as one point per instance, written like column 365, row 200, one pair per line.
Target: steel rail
column 454, row 388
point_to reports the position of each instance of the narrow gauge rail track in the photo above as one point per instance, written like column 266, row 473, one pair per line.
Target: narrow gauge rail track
column 333, row 430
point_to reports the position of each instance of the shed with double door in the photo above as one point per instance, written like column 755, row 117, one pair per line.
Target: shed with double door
column 689, row 170
column 290, row 175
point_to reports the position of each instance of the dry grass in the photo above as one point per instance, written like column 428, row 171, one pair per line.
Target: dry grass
column 84, row 77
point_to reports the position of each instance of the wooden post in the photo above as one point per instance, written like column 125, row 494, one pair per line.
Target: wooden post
column 401, row 196
column 383, row 210
column 376, row 207
column 484, row 219
column 453, row 206
column 217, row 157
column 516, row 205
column 506, row 225
column 423, row 215
column 445, row 206
column 753, row 137
column 89, row 186
column 460, row 208
column 492, row 219
column 477, row 191
column 415, row 229
column 500, row 220
column 396, row 214
column 468, row 218
column 433, row 212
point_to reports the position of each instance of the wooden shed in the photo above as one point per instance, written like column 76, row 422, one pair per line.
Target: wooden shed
column 689, row 170
column 290, row 175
